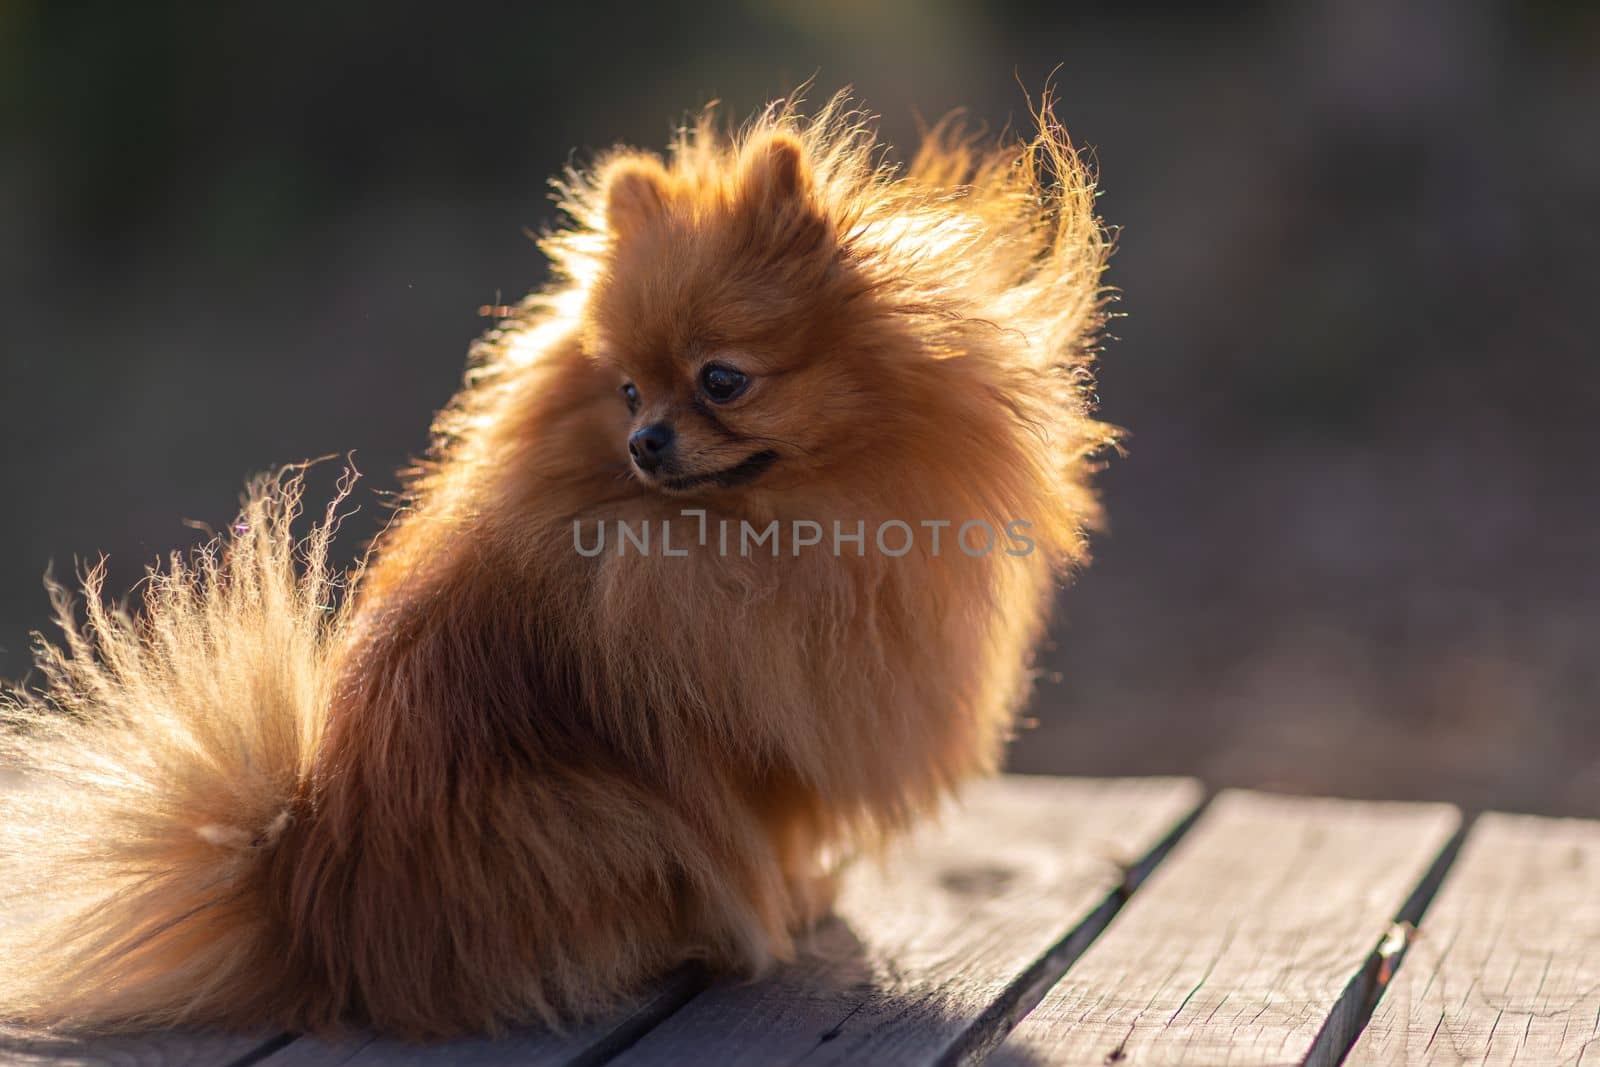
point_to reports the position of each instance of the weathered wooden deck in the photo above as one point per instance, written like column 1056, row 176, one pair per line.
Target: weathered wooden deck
column 1055, row 921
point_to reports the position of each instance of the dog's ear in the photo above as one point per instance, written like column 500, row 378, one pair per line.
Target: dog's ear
column 776, row 173
column 636, row 192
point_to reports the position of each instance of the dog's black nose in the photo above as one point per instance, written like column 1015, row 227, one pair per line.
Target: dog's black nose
column 649, row 446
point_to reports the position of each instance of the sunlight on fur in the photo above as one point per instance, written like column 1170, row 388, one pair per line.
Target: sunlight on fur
column 158, row 767
column 496, row 782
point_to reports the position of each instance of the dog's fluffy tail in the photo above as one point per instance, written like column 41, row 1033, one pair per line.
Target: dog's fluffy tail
column 154, row 773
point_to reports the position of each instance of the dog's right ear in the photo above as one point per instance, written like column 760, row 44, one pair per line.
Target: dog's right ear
column 636, row 193
column 776, row 174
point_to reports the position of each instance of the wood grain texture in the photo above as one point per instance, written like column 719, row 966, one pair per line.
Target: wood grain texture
column 934, row 957
column 1253, row 943
column 1505, row 967
column 151, row 1050
column 584, row 1045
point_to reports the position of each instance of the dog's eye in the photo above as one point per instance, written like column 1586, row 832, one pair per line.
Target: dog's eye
column 722, row 383
column 630, row 393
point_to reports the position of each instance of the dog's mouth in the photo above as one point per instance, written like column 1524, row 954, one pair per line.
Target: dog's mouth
column 742, row 473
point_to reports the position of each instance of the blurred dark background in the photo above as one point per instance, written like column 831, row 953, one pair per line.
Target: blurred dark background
column 1354, row 540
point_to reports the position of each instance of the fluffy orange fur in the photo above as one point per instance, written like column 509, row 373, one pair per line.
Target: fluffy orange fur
column 501, row 781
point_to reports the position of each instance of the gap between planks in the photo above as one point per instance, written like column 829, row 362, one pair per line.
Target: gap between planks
column 1254, row 943
column 1506, row 966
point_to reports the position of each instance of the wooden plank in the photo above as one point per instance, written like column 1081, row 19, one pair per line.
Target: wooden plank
column 146, row 1050
column 1506, row 965
column 1254, row 943
column 936, row 956
column 585, row 1045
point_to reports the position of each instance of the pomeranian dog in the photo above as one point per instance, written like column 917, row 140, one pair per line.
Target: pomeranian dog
column 524, row 758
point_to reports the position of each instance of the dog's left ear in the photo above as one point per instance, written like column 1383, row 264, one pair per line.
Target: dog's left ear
column 776, row 175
